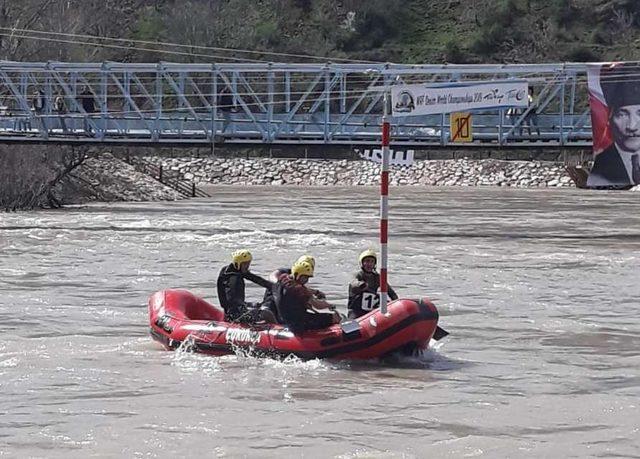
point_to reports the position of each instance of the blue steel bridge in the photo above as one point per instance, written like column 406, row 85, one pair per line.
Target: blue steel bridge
column 272, row 103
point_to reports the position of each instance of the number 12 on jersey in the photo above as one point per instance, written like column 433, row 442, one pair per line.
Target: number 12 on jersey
column 370, row 301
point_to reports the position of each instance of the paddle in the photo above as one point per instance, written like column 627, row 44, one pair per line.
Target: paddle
column 440, row 333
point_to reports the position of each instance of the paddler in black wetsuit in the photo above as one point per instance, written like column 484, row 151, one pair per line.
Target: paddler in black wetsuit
column 363, row 289
column 294, row 300
column 230, row 287
column 268, row 310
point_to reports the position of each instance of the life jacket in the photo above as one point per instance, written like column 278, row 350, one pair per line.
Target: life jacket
column 268, row 301
column 367, row 299
column 291, row 299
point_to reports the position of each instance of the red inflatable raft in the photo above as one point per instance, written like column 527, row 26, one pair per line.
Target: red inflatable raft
column 177, row 315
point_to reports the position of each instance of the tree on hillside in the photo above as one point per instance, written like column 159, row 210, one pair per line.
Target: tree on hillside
column 20, row 21
column 387, row 30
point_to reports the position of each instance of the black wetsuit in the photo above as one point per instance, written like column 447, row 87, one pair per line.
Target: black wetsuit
column 364, row 299
column 291, row 300
column 231, row 294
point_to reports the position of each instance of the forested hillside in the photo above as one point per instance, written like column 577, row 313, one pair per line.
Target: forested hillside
column 409, row 31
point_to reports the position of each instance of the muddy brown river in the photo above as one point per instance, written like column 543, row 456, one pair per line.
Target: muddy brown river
column 539, row 289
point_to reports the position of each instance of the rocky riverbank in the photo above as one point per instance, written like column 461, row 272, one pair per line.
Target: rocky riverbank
column 307, row 172
column 49, row 178
column 52, row 176
column 105, row 177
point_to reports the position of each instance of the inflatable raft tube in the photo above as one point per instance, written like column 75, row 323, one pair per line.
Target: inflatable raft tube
column 176, row 316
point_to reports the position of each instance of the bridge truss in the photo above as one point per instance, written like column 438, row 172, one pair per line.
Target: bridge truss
column 272, row 103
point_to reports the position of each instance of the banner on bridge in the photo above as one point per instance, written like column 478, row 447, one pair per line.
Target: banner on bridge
column 419, row 99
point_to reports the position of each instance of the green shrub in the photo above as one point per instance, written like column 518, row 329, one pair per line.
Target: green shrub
column 488, row 39
column 149, row 26
column 600, row 36
column 498, row 27
column 581, row 53
column 564, row 13
column 508, row 13
column 453, row 53
column 376, row 23
column 267, row 33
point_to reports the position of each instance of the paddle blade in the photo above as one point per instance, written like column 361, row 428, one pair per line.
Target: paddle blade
column 440, row 333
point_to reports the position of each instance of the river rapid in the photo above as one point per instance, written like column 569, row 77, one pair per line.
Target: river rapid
column 538, row 288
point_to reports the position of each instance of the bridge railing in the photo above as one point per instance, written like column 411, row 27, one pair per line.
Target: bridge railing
column 172, row 179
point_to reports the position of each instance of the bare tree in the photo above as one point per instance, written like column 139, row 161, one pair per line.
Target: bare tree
column 623, row 21
column 29, row 174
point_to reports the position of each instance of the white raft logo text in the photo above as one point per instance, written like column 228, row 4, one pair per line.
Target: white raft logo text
column 242, row 336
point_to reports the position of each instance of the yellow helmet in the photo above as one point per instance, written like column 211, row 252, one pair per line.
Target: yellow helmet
column 302, row 268
column 366, row 254
column 309, row 259
column 240, row 256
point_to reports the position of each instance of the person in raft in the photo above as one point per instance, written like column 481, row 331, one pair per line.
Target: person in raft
column 363, row 289
column 295, row 303
column 268, row 310
column 231, row 292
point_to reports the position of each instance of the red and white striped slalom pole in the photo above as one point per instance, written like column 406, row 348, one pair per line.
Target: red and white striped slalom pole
column 384, row 206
